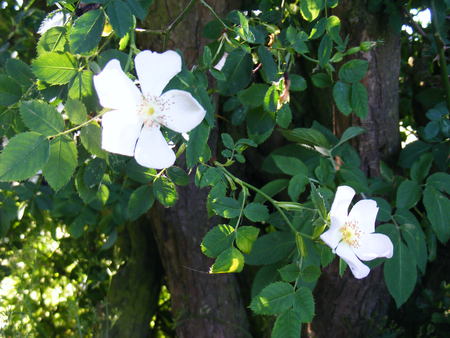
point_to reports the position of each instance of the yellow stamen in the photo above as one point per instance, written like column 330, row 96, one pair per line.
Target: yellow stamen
column 351, row 233
column 149, row 110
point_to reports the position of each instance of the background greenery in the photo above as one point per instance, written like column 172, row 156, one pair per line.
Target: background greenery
column 76, row 221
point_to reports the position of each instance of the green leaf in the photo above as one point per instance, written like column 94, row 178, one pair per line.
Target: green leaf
column 437, row 206
column 297, row 185
column 271, row 248
column 141, row 200
column 55, row 68
column 333, row 28
column 385, row 211
column 284, row 116
column 415, row 239
column 272, row 188
column 253, row 96
column 400, row 272
column 20, row 71
column 304, row 304
column 137, row 9
column 76, row 111
column 260, row 124
column 102, row 193
column 310, row 9
column 197, row 145
column 290, row 165
column 289, row 273
column 244, row 30
column 53, row 40
column 86, row 194
column 298, row 83
column 350, row 133
column 307, row 136
column 231, row 260
column 23, row 156
column 91, row 136
column 287, row 325
column 353, row 71
column 238, row 72
column 210, row 177
column 10, row 91
column 321, row 80
column 439, row 181
column 269, row 70
column 325, row 49
column 120, row 17
column 318, row 201
column 354, row 177
column 359, row 97
column 245, row 237
column 227, row 140
column 421, row 168
column 178, row 175
column 256, row 212
column 412, row 152
column 318, row 29
column 341, row 95
column 312, row 273
column 217, row 240
column 165, row 191
column 273, row 299
column 226, row 207
column 86, row 31
column 62, row 162
column 81, row 85
column 408, row 194
column 93, row 172
column 41, row 117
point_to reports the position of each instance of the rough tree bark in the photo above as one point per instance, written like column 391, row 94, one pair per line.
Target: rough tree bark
column 348, row 306
column 134, row 291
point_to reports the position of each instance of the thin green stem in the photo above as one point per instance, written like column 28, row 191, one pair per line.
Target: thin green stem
column 65, row 132
column 204, row 3
column 267, row 197
column 244, row 199
column 180, row 16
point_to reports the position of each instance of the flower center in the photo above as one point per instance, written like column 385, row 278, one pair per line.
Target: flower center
column 148, row 110
column 351, row 233
column 152, row 110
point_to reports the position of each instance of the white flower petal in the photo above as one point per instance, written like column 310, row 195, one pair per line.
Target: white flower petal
column 115, row 89
column 373, row 246
column 219, row 65
column 365, row 213
column 339, row 208
column 152, row 150
column 183, row 112
column 54, row 19
column 155, row 70
column 120, row 130
column 358, row 269
column 332, row 237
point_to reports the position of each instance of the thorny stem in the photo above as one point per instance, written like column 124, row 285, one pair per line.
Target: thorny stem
column 270, row 199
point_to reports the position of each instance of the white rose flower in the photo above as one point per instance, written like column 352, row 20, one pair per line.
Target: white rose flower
column 351, row 235
column 132, row 127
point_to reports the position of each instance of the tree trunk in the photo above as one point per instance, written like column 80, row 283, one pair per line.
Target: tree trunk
column 203, row 305
column 134, row 292
column 348, row 306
